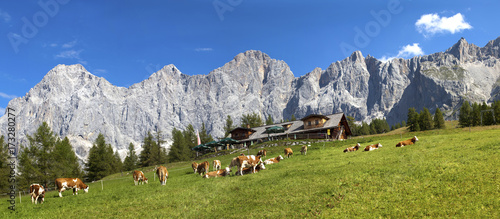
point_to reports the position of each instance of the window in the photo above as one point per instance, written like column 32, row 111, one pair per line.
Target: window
column 317, row 122
column 309, row 123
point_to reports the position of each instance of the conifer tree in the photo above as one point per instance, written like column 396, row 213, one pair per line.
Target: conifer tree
column 412, row 120
column 131, row 160
column 476, row 115
column 438, row 119
column 100, row 160
column 253, row 120
column 204, row 136
column 66, row 162
column 425, row 120
column 4, row 168
column 35, row 162
column 178, row 149
column 229, row 126
column 293, row 118
column 269, row 120
column 464, row 115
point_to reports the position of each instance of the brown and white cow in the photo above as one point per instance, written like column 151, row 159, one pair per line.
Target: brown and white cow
column 303, row 150
column 407, row 142
column 216, row 164
column 262, row 153
column 70, row 183
column 288, row 152
column 162, row 173
column 203, row 167
column 218, row 173
column 248, row 170
column 139, row 177
column 37, row 192
column 353, row 148
column 273, row 160
column 250, row 161
column 194, row 165
column 372, row 147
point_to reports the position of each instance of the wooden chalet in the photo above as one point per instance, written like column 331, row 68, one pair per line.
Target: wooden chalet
column 313, row 126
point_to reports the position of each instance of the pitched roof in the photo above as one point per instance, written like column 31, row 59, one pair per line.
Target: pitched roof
column 333, row 121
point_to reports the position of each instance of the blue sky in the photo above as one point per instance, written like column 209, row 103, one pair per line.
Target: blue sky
column 126, row 41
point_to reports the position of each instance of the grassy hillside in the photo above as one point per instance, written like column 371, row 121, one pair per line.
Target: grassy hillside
column 448, row 173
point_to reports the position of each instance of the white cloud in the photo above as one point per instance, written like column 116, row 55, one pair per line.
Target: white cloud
column 69, row 44
column 7, row 96
column 407, row 51
column 203, row 49
column 69, row 54
column 4, row 16
column 430, row 24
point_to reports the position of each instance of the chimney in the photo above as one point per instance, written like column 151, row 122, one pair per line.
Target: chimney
column 248, row 126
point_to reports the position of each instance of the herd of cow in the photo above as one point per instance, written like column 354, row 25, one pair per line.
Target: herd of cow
column 376, row 146
column 246, row 165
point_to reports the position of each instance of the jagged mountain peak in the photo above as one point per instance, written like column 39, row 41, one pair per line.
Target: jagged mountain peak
column 77, row 104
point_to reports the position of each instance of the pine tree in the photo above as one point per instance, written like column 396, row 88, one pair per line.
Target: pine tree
column 35, row 161
column 131, row 160
column 365, row 129
column 269, row 120
column 412, row 120
column 229, row 126
column 4, row 168
column 425, row 120
column 464, row 116
column 351, row 121
column 293, row 118
column 438, row 119
column 178, row 148
column 476, row 115
column 117, row 163
column 403, row 123
column 496, row 111
column 253, row 120
column 100, row 160
column 204, row 136
column 66, row 162
column 149, row 151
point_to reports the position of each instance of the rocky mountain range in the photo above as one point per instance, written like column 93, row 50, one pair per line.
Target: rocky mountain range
column 80, row 105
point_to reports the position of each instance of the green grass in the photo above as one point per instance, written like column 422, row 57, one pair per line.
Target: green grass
column 448, row 173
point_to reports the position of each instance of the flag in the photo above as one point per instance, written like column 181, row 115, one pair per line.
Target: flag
column 198, row 136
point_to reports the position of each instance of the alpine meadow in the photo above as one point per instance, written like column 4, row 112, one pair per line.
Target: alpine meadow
column 452, row 172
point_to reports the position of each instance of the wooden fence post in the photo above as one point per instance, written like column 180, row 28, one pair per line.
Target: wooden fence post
column 102, row 185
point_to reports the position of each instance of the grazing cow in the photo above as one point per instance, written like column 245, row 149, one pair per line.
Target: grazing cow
column 203, row 167
column 407, row 142
column 73, row 183
column 288, row 152
column 248, row 161
column 248, row 170
column 139, row 176
column 354, row 148
column 273, row 160
column 194, row 166
column 262, row 153
column 372, row 147
column 303, row 150
column 37, row 192
column 216, row 164
column 218, row 173
column 162, row 173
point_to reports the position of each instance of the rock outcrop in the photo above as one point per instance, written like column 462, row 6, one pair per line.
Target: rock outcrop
column 79, row 105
